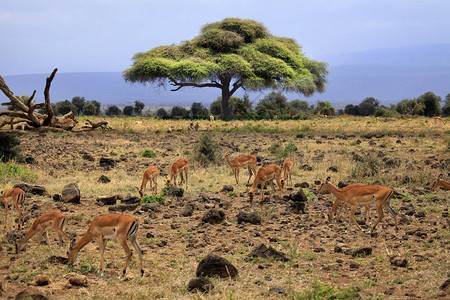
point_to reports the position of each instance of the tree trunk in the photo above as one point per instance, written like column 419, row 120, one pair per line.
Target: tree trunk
column 226, row 94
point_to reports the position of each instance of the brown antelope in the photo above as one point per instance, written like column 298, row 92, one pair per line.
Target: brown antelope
column 287, row 171
column 266, row 173
column 150, row 175
column 177, row 168
column 121, row 227
column 363, row 195
column 438, row 119
column 14, row 196
column 440, row 182
column 342, row 204
column 53, row 220
column 239, row 162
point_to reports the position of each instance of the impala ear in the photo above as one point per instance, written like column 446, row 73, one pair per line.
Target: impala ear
column 328, row 179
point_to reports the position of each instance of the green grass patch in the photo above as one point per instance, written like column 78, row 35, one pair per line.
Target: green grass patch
column 148, row 153
column 11, row 171
column 153, row 199
column 320, row 290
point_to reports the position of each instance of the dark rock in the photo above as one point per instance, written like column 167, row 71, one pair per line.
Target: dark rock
column 338, row 249
column 263, row 252
column 277, row 290
column 131, row 200
column 41, row 280
column 31, row 293
column 318, row 249
column 33, row 189
column 398, row 261
column 57, row 260
column 445, row 286
column 175, row 191
column 420, row 214
column 104, row 179
column 213, row 265
column 332, row 169
column 306, row 167
column 71, row 193
column 151, row 207
column 298, row 196
column 404, row 220
column 227, row 188
column 201, row 284
column 362, row 252
column 392, row 162
column 245, row 217
column 30, row 160
column 57, row 197
column 78, row 280
column 213, row 216
column 188, row 210
column 107, row 162
column 88, row 157
column 108, row 200
column 304, row 185
column 14, row 235
column 123, row 207
column 354, row 266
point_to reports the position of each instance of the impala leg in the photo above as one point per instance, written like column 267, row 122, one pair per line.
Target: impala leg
column 380, row 216
column 138, row 250
column 352, row 213
column 123, row 243
column 333, row 209
column 272, row 191
column 249, row 174
column 19, row 225
column 101, row 246
column 186, row 171
column 236, row 175
column 263, row 184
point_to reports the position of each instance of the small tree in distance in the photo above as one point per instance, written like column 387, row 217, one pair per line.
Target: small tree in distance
column 113, row 110
column 128, row 110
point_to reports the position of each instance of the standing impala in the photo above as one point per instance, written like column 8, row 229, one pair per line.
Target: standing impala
column 378, row 194
column 440, row 182
column 265, row 173
column 14, row 196
column 104, row 227
column 150, row 175
column 343, row 205
column 241, row 162
column 177, row 168
column 53, row 220
column 287, row 171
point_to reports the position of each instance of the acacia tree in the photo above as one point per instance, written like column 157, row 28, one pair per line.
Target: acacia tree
column 229, row 55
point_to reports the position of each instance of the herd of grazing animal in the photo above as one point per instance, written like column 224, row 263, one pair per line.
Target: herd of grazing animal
column 124, row 228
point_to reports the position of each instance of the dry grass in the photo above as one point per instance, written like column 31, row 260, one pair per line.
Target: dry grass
column 422, row 150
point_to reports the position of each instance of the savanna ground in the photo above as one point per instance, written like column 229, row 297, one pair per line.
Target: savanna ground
column 405, row 154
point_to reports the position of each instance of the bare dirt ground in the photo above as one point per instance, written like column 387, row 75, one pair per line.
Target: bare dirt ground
column 319, row 251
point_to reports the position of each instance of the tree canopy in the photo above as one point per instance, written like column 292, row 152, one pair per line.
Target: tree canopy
column 231, row 54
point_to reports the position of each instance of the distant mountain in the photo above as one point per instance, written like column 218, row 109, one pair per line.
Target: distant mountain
column 388, row 75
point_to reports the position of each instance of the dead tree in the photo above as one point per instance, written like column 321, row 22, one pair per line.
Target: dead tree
column 27, row 112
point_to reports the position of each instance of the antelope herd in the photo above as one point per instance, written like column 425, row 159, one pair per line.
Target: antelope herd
column 124, row 228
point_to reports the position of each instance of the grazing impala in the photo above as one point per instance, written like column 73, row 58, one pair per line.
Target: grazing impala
column 104, row 227
column 53, row 220
column 440, row 182
column 177, row 168
column 239, row 162
column 150, row 175
column 14, row 196
column 378, row 194
column 287, row 171
column 266, row 173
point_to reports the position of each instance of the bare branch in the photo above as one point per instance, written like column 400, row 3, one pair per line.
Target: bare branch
column 193, row 84
column 48, row 106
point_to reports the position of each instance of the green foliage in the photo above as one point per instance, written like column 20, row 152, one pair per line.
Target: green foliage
column 431, row 103
column 239, row 107
column 384, row 112
column 64, row 107
column 274, row 103
column 113, row 110
column 325, row 108
column 410, row 107
column 278, row 150
column 138, row 107
column 162, row 113
column 300, row 136
column 199, row 111
column 9, row 147
column 148, row 153
column 167, row 192
column 320, row 291
column 79, row 104
column 178, row 111
column 128, row 110
column 446, row 107
column 153, row 199
column 207, row 150
column 91, row 108
column 13, row 172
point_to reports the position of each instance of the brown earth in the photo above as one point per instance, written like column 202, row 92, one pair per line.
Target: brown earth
column 319, row 252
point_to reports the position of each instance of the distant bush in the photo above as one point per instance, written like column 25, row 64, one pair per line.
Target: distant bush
column 279, row 151
column 153, row 199
column 148, row 153
column 207, row 150
column 9, row 147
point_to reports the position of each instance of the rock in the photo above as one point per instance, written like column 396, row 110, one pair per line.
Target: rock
column 306, row 167
column 263, row 252
column 227, row 188
column 41, row 280
column 251, row 218
column 277, row 290
column 392, row 162
column 108, row 200
column 296, row 208
column 14, row 235
column 445, row 286
column 318, row 249
column 104, row 179
column 123, row 207
column 71, row 193
column 30, row 160
column 107, row 162
column 398, row 261
column 404, row 220
column 201, row 284
column 303, row 185
column 354, row 266
column 188, row 210
column 362, row 252
column 33, row 189
column 332, row 169
column 78, row 280
column 213, row 216
column 151, row 207
column 420, row 214
column 31, row 293
column 57, row 197
column 87, row 157
column 131, row 200
column 57, row 260
column 175, row 191
column 298, row 196
column 214, row 265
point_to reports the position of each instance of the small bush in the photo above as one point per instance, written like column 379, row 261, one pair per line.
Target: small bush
column 153, row 199
column 300, row 136
column 10, row 171
column 148, row 153
column 8, row 147
column 369, row 166
column 321, row 291
column 278, row 150
column 207, row 150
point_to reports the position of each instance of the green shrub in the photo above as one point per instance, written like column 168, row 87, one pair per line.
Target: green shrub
column 9, row 147
column 10, row 171
column 207, row 150
column 153, row 199
column 300, row 136
column 319, row 291
column 278, row 150
column 148, row 153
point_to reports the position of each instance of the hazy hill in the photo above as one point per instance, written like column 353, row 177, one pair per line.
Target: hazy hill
column 389, row 75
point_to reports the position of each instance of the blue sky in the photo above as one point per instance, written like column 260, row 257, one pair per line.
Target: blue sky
column 102, row 35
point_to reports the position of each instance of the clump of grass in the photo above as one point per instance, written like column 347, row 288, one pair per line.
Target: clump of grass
column 207, row 150
column 300, row 136
column 278, row 150
column 320, row 290
column 369, row 166
column 153, row 199
column 148, row 153
column 11, row 171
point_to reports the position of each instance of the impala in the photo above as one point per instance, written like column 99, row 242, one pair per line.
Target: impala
column 287, row 171
column 177, row 168
column 121, row 227
column 363, row 195
column 440, row 182
column 342, row 204
column 265, row 173
column 14, row 196
column 150, row 175
column 239, row 162
column 53, row 220
column 438, row 119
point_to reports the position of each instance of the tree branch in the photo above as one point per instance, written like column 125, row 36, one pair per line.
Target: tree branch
column 192, row 84
column 14, row 100
column 48, row 106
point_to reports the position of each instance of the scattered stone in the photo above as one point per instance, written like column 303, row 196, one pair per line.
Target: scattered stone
column 30, row 160
column 131, row 200
column 252, row 218
column 213, row 216
column 41, row 280
column 338, row 249
column 420, row 214
column 188, row 210
column 87, row 157
column 57, row 197
column 151, row 207
column 78, row 280
column 33, row 189
column 303, row 185
column 71, row 193
column 175, row 191
column 108, row 200
column 298, row 196
column 404, row 220
column 104, row 179
column 332, row 169
column 263, row 252
column 123, row 207
column 362, row 252
column 277, row 290
column 107, row 162
column 14, row 235
column 214, row 265
column 31, row 293
column 227, row 188
column 318, row 249
column 398, row 261
column 354, row 266
column 201, row 284
column 306, row 167
column 445, row 286
column 57, row 259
